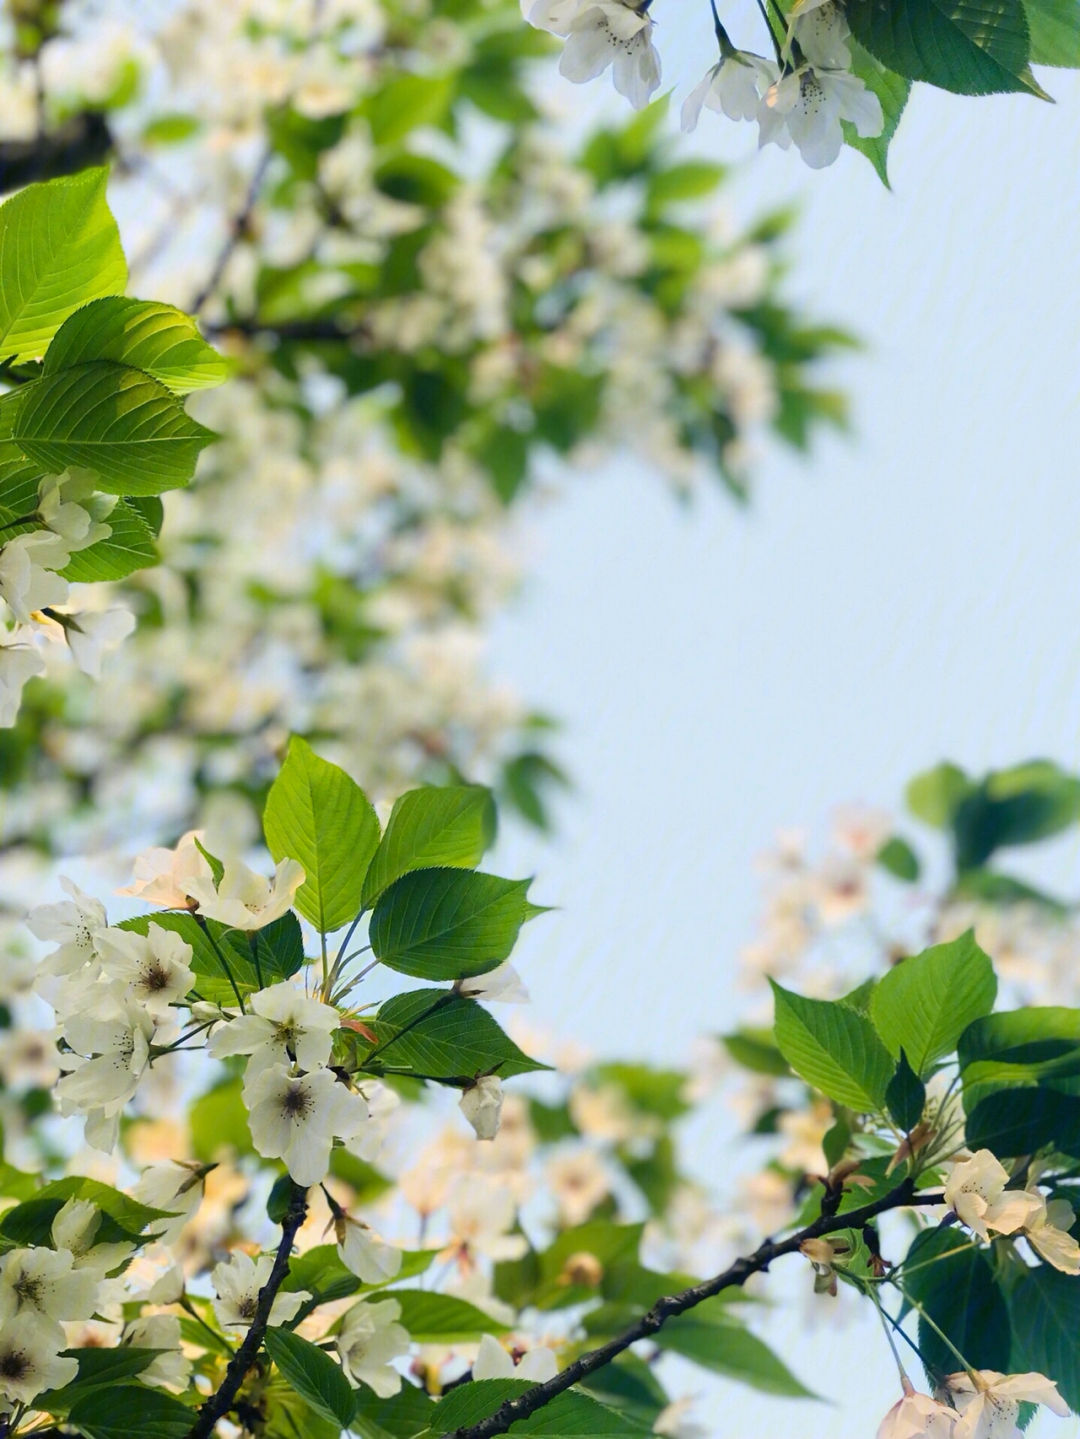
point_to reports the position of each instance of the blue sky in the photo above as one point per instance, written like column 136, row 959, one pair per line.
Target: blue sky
column 912, row 593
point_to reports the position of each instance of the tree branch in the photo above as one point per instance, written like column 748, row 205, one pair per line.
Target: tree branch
column 82, row 140
column 237, row 230
column 219, row 1404
column 673, row 1304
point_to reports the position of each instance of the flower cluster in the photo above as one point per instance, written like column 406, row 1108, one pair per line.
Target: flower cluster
column 802, row 97
column 416, row 331
column 34, row 593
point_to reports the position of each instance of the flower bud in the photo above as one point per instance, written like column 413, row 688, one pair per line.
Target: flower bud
column 481, row 1105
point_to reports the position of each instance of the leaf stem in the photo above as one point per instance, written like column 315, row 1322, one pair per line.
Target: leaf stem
column 201, row 922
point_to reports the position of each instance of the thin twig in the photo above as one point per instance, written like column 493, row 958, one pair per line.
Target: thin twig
column 673, row 1304
column 237, row 229
column 219, row 1404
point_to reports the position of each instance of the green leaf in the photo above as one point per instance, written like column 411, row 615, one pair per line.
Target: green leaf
column 972, row 47
column 130, row 547
column 447, row 828
column 320, row 817
column 443, row 1319
column 834, row 1048
column 934, row 795
column 406, row 102
column 469, row 1403
column 1045, row 1309
column 755, row 1050
column 905, row 1097
column 953, row 1280
column 30, row 1222
column 449, row 923
column 1022, row 1047
column 218, row 1121
column 322, row 1274
column 153, row 337
column 1055, row 32
column 408, row 1413
column 59, row 248
column 437, row 1033
column 924, row 1003
column 629, row 1385
column 717, row 1341
column 689, row 180
column 571, row 1415
column 313, row 1374
column 98, row 1368
column 112, row 419
column 1016, row 1122
column 898, row 857
column 893, row 91
column 123, row 1410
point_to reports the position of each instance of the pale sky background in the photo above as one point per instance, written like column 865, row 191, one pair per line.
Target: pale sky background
column 910, row 594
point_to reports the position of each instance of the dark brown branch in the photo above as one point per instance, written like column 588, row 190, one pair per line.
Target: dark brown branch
column 673, row 1304
column 81, row 141
column 238, row 228
column 219, row 1404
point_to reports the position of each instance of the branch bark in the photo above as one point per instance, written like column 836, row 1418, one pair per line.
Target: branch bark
column 219, row 1403
column 673, row 1304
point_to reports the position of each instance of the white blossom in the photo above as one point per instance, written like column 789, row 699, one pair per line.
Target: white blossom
column 174, row 1185
column 363, row 1252
column 161, row 875
column 43, row 1284
column 20, row 662
column 807, row 106
column 74, row 924
column 30, row 1361
column 246, row 899
column 68, row 506
column 282, row 1024
column 75, row 1229
column 1047, row 1231
column 237, row 1282
column 369, row 1340
column 482, row 1104
column 28, row 579
column 155, row 968
column 296, row 1118
column 600, row 33
column 170, row 1369
column 917, row 1416
column 91, row 634
column 821, row 33
column 976, row 1191
column 734, row 88
column 502, row 984
column 493, row 1362
column 111, row 1049
column 988, row 1408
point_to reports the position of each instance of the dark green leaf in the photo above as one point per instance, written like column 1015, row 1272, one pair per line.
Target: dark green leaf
column 1020, row 1048
column 449, row 923
column 893, row 91
column 571, row 1415
column 320, row 817
column 128, row 548
column 153, row 337
column 952, row 1279
column 834, row 1048
column 432, row 828
column 905, row 1097
column 112, row 419
column 436, row 1033
column 98, row 1368
column 123, row 1410
column 972, row 47
column 1055, row 32
column 1045, row 1309
column 1016, row 1122
column 408, row 1413
column 897, row 856
column 717, row 1341
column 924, row 1003
column 313, row 1374
column 443, row 1319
